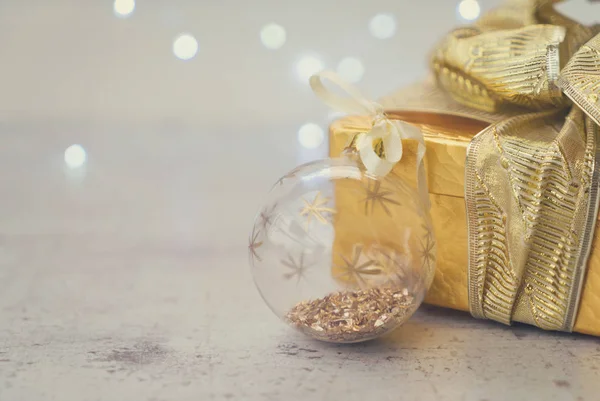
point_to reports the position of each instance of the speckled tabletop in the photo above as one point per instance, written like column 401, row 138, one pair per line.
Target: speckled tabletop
column 126, row 280
column 123, row 261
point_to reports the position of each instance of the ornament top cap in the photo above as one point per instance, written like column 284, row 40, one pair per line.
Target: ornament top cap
column 384, row 130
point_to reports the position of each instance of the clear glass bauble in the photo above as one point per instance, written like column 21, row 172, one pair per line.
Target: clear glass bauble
column 342, row 255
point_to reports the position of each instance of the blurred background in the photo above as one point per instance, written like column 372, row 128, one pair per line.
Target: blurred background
column 176, row 116
column 137, row 141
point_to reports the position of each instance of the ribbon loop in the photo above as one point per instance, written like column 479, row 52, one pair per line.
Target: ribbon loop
column 354, row 103
column 580, row 79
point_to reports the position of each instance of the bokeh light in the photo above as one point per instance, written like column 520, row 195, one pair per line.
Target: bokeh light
column 185, row 46
column 308, row 66
column 75, row 156
column 123, row 8
column 469, row 10
column 351, row 69
column 383, row 26
column 310, row 136
column 273, row 36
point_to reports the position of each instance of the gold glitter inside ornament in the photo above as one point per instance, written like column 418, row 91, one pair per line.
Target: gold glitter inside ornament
column 351, row 316
column 350, row 292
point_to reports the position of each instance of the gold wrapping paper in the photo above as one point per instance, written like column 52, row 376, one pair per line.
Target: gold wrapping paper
column 447, row 138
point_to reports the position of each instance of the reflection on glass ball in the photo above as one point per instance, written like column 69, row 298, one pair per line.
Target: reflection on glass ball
column 342, row 255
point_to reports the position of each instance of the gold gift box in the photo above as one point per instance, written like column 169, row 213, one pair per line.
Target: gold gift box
column 447, row 139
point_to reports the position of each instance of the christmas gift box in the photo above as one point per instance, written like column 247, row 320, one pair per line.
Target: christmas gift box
column 510, row 119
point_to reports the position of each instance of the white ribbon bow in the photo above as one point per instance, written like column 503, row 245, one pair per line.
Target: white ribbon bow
column 391, row 132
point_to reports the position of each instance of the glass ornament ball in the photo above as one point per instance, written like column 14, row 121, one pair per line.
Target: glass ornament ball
column 340, row 254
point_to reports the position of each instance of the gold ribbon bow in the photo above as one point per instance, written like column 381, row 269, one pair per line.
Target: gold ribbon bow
column 384, row 130
column 532, row 177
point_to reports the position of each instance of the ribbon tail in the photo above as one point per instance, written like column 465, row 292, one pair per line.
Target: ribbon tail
column 392, row 143
column 409, row 131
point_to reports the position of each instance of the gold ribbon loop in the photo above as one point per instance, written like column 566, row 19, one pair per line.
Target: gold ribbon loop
column 494, row 69
column 389, row 132
column 580, row 79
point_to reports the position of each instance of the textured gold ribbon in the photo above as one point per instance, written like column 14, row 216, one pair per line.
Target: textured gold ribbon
column 386, row 131
column 531, row 178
